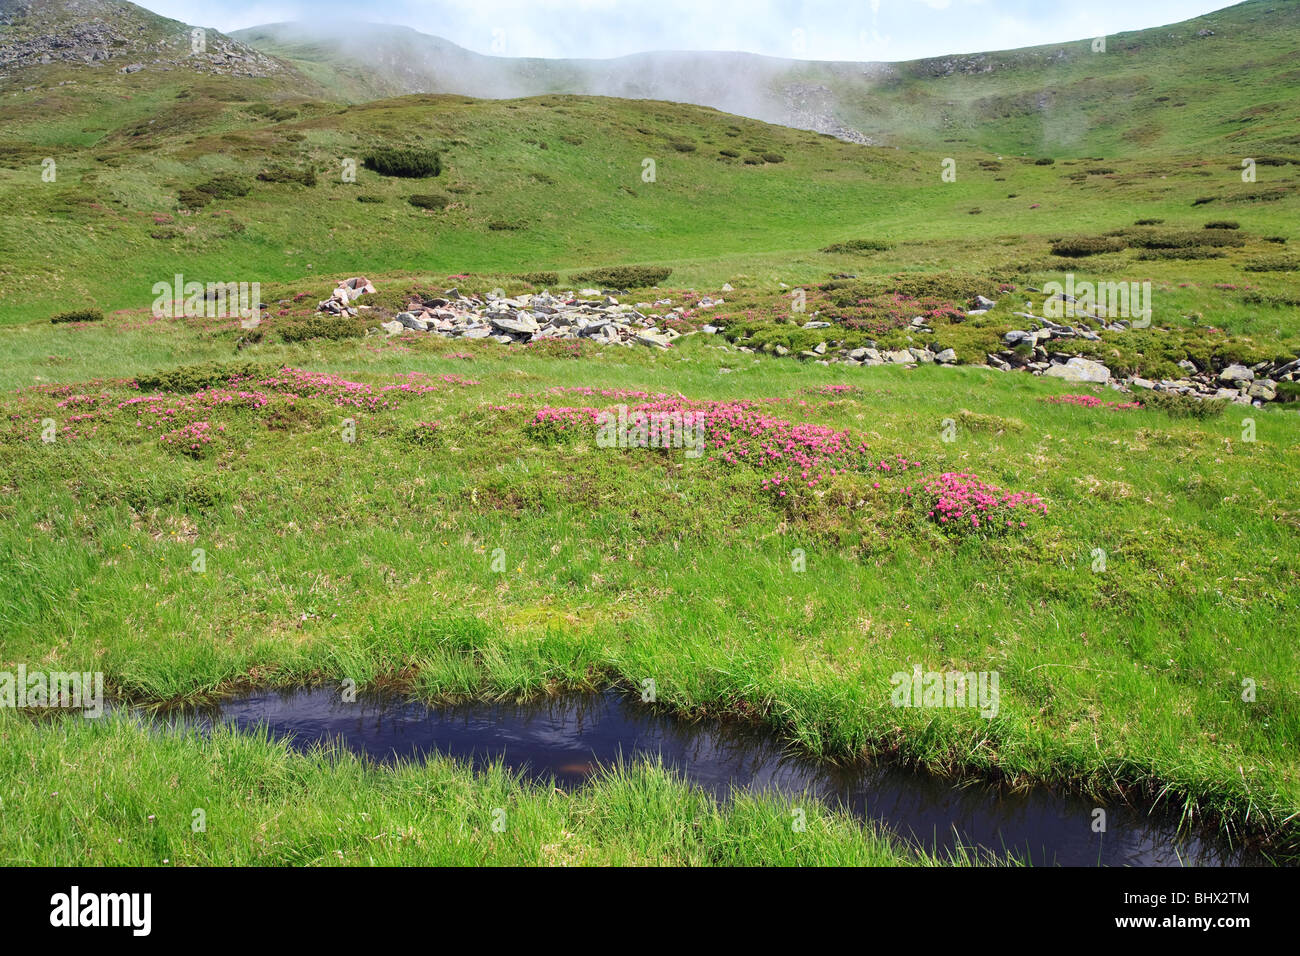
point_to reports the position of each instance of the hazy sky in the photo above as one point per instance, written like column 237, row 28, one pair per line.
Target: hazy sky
column 804, row 29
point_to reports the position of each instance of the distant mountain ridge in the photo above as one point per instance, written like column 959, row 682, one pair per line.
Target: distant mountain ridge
column 1145, row 88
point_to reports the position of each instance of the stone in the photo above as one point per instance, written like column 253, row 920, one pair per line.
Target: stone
column 1080, row 370
column 1236, row 373
column 946, row 357
column 983, row 303
column 392, row 328
column 523, row 325
column 1263, row 389
column 652, row 338
column 901, row 357
column 924, row 356
column 1136, row 382
column 410, row 321
column 1015, row 337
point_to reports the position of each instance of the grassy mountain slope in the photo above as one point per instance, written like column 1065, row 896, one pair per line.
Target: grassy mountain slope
column 1228, row 78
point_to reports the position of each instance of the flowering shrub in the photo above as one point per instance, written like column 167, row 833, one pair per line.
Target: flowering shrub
column 424, row 435
column 192, row 439
column 553, row 425
column 960, row 503
column 831, row 389
column 737, row 433
column 1088, row 401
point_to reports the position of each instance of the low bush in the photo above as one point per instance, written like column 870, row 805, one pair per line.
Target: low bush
column 1222, row 224
column 78, row 315
column 624, row 277
column 859, row 245
column 539, row 278
column 430, row 200
column 1177, row 405
column 285, row 174
column 225, row 186
column 1076, row 247
column 1272, row 264
column 404, row 162
column 332, row 327
column 192, row 378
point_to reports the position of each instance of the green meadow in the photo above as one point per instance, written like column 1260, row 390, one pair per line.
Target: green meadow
column 187, row 517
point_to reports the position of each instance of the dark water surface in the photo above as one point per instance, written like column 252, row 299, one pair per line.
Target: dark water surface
column 569, row 738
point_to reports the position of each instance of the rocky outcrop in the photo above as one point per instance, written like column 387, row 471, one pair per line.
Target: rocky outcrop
column 121, row 36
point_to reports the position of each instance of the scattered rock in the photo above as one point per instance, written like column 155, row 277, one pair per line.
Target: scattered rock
column 1080, row 370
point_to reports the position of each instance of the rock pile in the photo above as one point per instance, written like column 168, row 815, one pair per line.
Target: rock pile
column 588, row 314
column 348, row 291
column 600, row 317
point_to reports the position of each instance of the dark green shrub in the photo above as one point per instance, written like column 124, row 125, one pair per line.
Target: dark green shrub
column 191, row 378
column 423, row 435
column 1174, row 239
column 753, row 160
column 1222, row 224
column 1176, row 405
column 1196, row 252
column 1076, row 247
column 430, row 200
column 225, row 186
column 406, row 162
column 773, row 158
column 284, row 174
column 624, row 277
column 1272, row 264
column 859, row 245
column 1149, row 222
column 730, row 153
column 682, row 145
column 1044, row 161
column 500, row 225
column 1288, row 392
column 365, row 198
column 193, row 199
column 332, row 327
column 78, row 315
column 539, row 278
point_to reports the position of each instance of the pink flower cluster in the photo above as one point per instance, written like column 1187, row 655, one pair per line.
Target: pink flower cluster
column 742, row 433
column 960, row 502
column 1088, row 401
column 342, row 392
column 168, row 409
column 617, row 393
column 832, row 389
column 192, row 438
